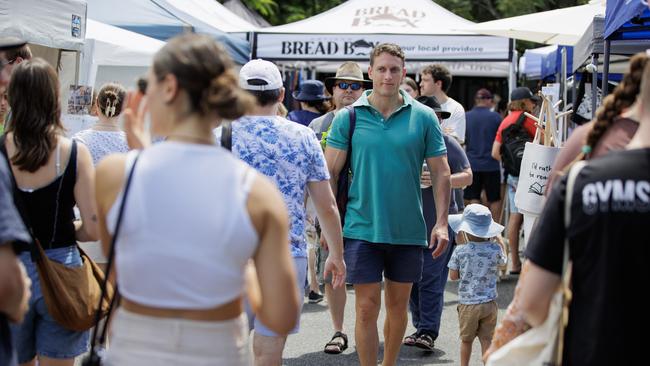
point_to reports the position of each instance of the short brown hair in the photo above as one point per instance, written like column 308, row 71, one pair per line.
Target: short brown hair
column 389, row 48
column 204, row 71
column 35, row 113
column 439, row 73
column 23, row 52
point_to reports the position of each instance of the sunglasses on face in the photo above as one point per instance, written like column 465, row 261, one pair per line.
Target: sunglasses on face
column 344, row 86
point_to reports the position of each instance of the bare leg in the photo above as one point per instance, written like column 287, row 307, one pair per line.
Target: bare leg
column 495, row 209
column 311, row 266
column 336, row 299
column 268, row 350
column 396, row 296
column 485, row 344
column 46, row 361
column 514, row 225
column 367, row 305
column 465, row 352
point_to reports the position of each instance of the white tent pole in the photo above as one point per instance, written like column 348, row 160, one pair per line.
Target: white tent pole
column 77, row 66
column 594, row 85
column 512, row 75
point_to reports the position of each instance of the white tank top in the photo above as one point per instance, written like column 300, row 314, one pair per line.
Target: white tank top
column 186, row 234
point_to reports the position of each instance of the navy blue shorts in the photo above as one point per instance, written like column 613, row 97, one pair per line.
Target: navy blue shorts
column 371, row 262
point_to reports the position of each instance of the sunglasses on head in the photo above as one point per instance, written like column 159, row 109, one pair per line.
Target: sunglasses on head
column 344, row 86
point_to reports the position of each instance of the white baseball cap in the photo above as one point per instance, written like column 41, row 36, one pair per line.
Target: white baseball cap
column 260, row 75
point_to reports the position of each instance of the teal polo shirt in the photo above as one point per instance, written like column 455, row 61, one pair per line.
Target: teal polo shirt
column 384, row 204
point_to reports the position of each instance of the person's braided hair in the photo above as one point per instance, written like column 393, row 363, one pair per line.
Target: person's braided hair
column 623, row 96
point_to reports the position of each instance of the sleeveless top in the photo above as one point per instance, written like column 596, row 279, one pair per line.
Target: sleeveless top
column 186, row 234
column 102, row 143
column 49, row 209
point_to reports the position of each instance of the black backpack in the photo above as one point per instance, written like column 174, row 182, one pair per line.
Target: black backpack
column 345, row 176
column 514, row 138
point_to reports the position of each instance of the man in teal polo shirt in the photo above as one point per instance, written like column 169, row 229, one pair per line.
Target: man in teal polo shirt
column 385, row 232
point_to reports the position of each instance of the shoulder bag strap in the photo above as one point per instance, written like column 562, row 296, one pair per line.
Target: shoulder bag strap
column 566, row 266
column 353, row 124
column 109, row 266
column 226, row 135
column 34, row 251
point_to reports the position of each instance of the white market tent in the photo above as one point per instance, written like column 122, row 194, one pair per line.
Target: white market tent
column 242, row 11
column 209, row 12
column 55, row 31
column 163, row 19
column 426, row 32
column 115, row 54
column 561, row 26
column 58, row 24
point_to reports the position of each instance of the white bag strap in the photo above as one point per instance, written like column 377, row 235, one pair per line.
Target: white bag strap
column 566, row 266
column 571, row 179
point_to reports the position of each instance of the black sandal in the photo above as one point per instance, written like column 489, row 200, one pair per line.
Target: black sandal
column 425, row 342
column 336, row 347
column 410, row 340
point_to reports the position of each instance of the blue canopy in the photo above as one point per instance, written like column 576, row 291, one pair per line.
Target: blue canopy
column 620, row 22
column 545, row 62
column 148, row 17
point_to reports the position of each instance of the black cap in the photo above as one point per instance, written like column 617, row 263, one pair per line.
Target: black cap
column 522, row 93
column 432, row 103
column 11, row 42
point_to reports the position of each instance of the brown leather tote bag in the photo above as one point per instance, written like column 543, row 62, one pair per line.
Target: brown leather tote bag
column 72, row 294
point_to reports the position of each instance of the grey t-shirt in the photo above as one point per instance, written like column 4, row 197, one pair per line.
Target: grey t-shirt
column 322, row 124
column 12, row 230
column 458, row 162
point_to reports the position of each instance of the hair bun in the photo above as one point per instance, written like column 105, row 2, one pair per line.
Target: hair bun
column 111, row 99
column 226, row 98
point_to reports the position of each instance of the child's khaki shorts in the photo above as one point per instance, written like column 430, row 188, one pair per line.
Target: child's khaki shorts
column 478, row 320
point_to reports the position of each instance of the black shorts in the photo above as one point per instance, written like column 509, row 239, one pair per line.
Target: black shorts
column 490, row 181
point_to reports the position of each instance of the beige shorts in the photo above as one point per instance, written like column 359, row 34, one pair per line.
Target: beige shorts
column 477, row 320
column 140, row 340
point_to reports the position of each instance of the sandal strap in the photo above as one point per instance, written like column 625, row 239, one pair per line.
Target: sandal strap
column 340, row 335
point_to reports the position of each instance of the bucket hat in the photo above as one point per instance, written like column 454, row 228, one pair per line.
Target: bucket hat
column 432, row 103
column 476, row 220
column 310, row 90
column 348, row 71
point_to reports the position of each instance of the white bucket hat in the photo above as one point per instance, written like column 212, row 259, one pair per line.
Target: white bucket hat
column 475, row 220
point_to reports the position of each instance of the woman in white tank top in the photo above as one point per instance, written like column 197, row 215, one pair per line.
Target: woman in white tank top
column 194, row 217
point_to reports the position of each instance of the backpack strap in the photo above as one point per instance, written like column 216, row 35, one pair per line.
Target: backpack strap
column 226, row 135
column 521, row 119
column 353, row 124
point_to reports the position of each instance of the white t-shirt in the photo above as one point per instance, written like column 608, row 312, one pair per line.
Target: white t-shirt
column 455, row 122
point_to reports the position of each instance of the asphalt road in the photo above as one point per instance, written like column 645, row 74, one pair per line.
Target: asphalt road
column 306, row 347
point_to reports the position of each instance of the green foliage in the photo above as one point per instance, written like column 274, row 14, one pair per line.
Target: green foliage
column 266, row 8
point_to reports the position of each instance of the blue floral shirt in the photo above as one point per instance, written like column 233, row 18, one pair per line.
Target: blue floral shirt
column 478, row 264
column 290, row 155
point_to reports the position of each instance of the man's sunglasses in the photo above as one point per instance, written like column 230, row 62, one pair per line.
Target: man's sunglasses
column 344, row 86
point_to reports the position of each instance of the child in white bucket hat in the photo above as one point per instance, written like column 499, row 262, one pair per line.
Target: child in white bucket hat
column 476, row 264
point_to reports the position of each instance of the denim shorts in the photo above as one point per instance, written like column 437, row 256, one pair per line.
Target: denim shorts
column 512, row 189
column 370, row 262
column 301, row 275
column 39, row 334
